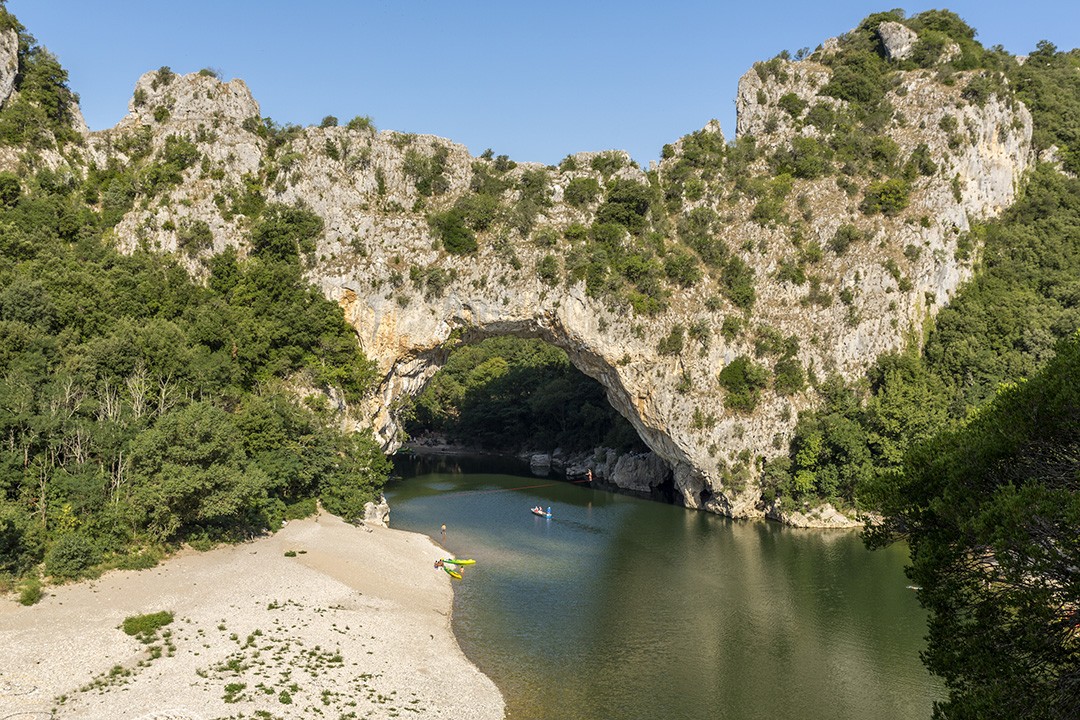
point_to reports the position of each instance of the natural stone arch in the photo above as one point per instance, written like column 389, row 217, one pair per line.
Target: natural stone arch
column 379, row 255
column 409, row 361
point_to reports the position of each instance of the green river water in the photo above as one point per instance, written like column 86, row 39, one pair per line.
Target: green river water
column 624, row 608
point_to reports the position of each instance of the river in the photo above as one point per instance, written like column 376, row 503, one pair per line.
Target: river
column 618, row 607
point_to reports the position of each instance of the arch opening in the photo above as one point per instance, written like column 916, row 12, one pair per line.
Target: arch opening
column 520, row 390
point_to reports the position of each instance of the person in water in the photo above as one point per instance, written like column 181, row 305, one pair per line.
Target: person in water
column 549, row 510
column 588, row 475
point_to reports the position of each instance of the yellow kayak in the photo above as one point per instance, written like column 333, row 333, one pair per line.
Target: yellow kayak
column 452, row 573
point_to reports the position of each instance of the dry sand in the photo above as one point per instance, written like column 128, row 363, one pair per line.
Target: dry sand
column 356, row 625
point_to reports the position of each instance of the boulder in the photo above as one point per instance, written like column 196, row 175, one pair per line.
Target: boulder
column 897, row 39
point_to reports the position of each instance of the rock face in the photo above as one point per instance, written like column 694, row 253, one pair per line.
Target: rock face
column 897, row 39
column 410, row 301
column 638, row 472
column 377, row 512
column 9, row 63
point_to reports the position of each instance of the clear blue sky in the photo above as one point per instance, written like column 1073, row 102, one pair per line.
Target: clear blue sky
column 534, row 80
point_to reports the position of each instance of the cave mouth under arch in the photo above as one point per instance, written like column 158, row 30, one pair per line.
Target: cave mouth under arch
column 519, row 395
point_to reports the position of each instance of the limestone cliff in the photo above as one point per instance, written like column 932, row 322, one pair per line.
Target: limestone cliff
column 381, row 256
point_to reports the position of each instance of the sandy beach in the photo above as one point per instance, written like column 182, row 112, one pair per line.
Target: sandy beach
column 356, row 624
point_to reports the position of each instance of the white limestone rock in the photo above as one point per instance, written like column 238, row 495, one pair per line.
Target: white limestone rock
column 202, row 98
column 9, row 63
column 377, row 512
column 897, row 39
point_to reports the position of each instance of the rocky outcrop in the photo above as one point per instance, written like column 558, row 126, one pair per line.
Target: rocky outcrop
column 9, row 63
column 644, row 473
column 377, row 512
column 411, row 302
column 897, row 40
column 757, row 111
column 825, row 517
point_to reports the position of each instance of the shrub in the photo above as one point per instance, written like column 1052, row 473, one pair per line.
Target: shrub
column 792, row 103
column 30, row 592
column 738, row 279
column 627, row 204
column 328, row 122
column 194, row 237
column 607, row 163
column 843, row 238
column 920, row 163
column 807, row 158
column 731, row 327
column 145, row 627
column 822, row 117
column 301, row 509
column 682, row 268
column 696, row 230
column 10, row 189
column 673, row 343
column 283, row 232
column 361, row 123
column 743, row 380
column 610, row 235
column 790, row 378
column 887, row 197
column 428, row 171
column 455, row 234
column 858, row 77
column 163, row 76
column 548, row 269
column 70, row 556
column 581, row 192
column 791, row 271
column 478, row 211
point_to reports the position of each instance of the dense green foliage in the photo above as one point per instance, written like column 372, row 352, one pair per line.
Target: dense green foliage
column 145, row 627
column 511, row 393
column 1049, row 84
column 42, row 112
column 743, row 380
column 991, row 512
column 139, row 409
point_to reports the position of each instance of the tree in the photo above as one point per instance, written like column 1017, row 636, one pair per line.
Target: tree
column 990, row 512
column 190, row 470
column 284, row 232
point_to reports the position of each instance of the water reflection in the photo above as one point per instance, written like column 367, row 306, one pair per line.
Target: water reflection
column 619, row 607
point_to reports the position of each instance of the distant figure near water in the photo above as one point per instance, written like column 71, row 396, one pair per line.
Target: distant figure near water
column 588, row 475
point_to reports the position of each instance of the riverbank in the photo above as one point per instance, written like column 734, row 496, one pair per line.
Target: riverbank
column 320, row 618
